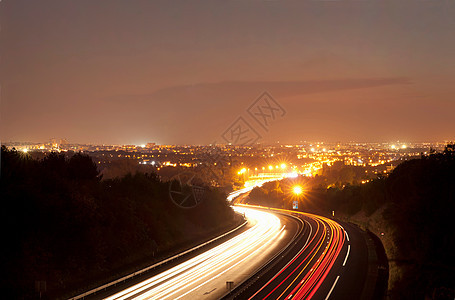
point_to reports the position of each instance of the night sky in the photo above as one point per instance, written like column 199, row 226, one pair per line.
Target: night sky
column 171, row 72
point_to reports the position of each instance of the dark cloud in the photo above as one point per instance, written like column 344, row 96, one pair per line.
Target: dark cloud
column 238, row 90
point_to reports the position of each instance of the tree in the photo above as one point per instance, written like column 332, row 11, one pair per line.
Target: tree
column 82, row 167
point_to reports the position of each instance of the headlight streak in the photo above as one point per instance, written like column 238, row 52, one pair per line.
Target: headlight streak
column 211, row 264
column 254, row 253
column 206, row 271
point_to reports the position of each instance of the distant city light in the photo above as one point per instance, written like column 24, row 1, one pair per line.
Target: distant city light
column 242, row 171
column 292, row 175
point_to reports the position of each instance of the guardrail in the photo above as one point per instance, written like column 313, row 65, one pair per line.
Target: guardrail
column 107, row 285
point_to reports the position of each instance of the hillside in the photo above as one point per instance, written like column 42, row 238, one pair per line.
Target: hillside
column 64, row 225
column 411, row 211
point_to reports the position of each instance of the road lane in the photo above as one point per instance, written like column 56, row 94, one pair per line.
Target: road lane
column 205, row 276
column 328, row 261
column 302, row 276
column 352, row 267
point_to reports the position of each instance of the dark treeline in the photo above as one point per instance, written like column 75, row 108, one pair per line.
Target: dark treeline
column 64, row 225
column 412, row 210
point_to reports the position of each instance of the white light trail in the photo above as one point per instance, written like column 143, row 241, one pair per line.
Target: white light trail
column 194, row 273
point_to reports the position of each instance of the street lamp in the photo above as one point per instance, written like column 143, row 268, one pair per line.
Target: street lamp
column 242, row 171
column 297, row 190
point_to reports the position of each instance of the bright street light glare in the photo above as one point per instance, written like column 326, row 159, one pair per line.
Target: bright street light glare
column 241, row 171
column 297, row 190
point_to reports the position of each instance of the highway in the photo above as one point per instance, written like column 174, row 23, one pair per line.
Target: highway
column 204, row 276
column 319, row 265
column 304, row 274
column 283, row 254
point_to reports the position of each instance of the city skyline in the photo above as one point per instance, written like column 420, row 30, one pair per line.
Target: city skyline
column 66, row 142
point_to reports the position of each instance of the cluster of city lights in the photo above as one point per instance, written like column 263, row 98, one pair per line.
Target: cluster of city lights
column 281, row 166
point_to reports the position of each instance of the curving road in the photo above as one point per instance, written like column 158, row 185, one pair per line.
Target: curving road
column 302, row 276
column 313, row 267
column 205, row 276
column 282, row 255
